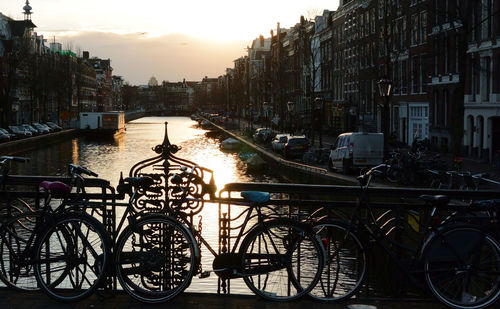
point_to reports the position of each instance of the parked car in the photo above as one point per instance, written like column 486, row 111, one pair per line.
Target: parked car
column 4, row 137
column 11, row 136
column 53, row 126
column 279, row 141
column 29, row 128
column 20, row 132
column 263, row 135
column 356, row 150
column 42, row 128
column 296, row 146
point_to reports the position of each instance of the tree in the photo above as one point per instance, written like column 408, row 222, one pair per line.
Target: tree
column 152, row 82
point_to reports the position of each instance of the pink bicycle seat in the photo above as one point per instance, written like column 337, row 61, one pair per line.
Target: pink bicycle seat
column 55, row 187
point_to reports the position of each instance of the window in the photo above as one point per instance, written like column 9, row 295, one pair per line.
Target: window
column 414, row 29
column 436, row 56
column 436, row 14
column 395, row 74
column 367, row 23
column 381, row 44
column 403, row 33
column 486, row 19
column 404, row 76
column 436, row 109
column 446, row 56
column 446, row 12
column 486, row 70
column 474, row 80
column 415, row 68
column 372, row 20
column 423, row 27
column 362, row 25
column 445, row 105
column 423, row 73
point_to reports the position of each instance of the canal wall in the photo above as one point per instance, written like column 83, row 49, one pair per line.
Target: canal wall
column 290, row 170
column 129, row 116
column 35, row 142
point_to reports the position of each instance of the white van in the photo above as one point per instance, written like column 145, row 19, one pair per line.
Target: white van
column 356, row 150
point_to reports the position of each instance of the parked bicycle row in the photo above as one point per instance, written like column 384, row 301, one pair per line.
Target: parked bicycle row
column 154, row 249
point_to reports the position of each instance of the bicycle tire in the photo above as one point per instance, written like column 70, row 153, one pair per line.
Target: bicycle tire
column 156, row 258
column 393, row 175
column 451, row 267
column 282, row 259
column 345, row 265
column 16, row 271
column 72, row 255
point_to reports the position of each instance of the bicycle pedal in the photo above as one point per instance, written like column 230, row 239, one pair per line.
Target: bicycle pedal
column 204, row 274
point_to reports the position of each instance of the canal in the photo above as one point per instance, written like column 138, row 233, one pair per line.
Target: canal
column 109, row 158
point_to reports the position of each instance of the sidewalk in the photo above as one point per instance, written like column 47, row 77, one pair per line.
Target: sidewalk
column 37, row 300
column 468, row 164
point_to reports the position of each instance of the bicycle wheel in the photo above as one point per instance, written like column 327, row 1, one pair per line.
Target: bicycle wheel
column 281, row 260
column 462, row 267
column 71, row 256
column 393, row 174
column 345, row 266
column 156, row 257
column 16, row 242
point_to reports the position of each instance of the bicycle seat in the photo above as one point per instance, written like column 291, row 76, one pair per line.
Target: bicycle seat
column 436, row 199
column 143, row 182
column 55, row 187
column 256, row 196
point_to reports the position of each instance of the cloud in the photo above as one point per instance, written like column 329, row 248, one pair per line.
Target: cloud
column 172, row 57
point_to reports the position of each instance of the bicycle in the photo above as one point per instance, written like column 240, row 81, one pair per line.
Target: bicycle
column 452, row 254
column 13, row 204
column 62, row 252
column 268, row 258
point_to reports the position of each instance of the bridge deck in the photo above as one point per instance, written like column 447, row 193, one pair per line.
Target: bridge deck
column 35, row 300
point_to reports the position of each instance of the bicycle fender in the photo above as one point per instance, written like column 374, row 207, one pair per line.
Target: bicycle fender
column 441, row 247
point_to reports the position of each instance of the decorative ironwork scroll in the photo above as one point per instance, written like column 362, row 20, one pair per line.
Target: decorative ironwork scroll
column 174, row 178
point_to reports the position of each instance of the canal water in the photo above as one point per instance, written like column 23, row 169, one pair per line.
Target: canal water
column 109, row 158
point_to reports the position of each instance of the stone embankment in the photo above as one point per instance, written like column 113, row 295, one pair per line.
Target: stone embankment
column 290, row 169
column 34, row 142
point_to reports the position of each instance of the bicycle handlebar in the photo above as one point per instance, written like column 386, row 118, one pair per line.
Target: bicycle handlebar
column 76, row 169
column 365, row 179
column 4, row 159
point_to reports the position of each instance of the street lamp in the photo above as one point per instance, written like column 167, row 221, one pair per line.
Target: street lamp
column 250, row 113
column 385, row 87
column 266, row 107
column 291, row 108
column 319, row 109
column 385, row 91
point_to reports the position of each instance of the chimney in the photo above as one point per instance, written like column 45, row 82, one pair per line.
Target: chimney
column 261, row 37
column 86, row 55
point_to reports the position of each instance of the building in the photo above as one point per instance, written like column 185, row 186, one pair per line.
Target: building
column 481, row 33
column 104, row 78
column 259, row 54
column 117, row 82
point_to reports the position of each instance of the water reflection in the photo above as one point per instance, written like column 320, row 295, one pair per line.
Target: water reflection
column 109, row 157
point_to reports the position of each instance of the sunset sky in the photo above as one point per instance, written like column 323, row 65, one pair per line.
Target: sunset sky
column 170, row 40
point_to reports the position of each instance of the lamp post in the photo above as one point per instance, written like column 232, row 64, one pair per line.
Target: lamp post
column 266, row 107
column 291, row 108
column 385, row 92
column 319, row 110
